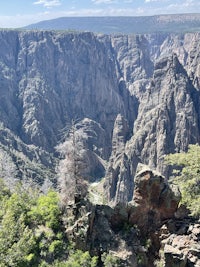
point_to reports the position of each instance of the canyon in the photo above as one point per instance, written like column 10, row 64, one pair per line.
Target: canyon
column 133, row 99
column 136, row 97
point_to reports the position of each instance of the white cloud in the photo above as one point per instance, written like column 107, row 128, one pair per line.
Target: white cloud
column 18, row 21
column 150, row 1
column 188, row 6
column 48, row 3
column 104, row 1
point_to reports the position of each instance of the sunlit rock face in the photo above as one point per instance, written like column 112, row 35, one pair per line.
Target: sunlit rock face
column 159, row 71
column 137, row 94
column 154, row 200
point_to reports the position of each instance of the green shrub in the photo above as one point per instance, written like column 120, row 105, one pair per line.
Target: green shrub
column 110, row 260
column 46, row 211
column 30, row 233
column 56, row 248
column 80, row 259
column 17, row 242
column 187, row 176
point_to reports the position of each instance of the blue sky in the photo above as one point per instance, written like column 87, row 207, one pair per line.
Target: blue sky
column 17, row 13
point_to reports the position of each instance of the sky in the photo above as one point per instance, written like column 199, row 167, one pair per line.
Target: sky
column 18, row 13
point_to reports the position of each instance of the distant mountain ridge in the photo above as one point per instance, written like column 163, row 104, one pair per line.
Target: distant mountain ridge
column 127, row 25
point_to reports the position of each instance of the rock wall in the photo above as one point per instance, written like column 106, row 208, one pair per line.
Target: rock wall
column 159, row 71
column 148, row 231
column 140, row 93
column 49, row 79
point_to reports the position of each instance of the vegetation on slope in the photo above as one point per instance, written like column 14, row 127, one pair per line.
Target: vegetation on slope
column 31, row 226
column 32, row 232
column 123, row 25
column 187, row 176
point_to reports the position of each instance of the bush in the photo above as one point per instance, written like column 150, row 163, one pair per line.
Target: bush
column 30, row 230
column 17, row 241
column 46, row 211
column 110, row 260
column 187, row 176
column 80, row 259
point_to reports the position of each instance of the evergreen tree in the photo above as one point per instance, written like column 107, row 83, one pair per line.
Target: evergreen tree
column 187, row 175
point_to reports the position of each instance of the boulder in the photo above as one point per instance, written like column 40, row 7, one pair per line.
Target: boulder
column 178, row 247
column 154, row 200
column 174, row 257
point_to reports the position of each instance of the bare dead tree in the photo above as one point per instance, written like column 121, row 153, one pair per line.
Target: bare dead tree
column 8, row 169
column 70, row 180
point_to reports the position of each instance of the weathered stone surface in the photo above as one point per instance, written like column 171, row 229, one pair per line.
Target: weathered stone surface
column 174, row 257
column 178, row 247
column 48, row 79
column 93, row 137
column 101, row 229
column 154, row 200
column 167, row 121
column 117, row 164
column 139, row 231
column 152, row 80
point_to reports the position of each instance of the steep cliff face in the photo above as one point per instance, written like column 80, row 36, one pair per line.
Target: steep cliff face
column 64, row 77
column 48, row 79
column 158, row 70
column 136, row 96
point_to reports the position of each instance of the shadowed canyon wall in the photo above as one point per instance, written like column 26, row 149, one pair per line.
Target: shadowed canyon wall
column 137, row 97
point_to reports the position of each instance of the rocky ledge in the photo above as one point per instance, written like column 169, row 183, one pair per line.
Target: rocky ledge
column 148, row 231
column 180, row 243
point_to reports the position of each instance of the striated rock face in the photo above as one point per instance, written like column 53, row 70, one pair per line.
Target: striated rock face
column 48, row 79
column 148, row 231
column 64, row 77
column 159, row 74
column 138, row 95
column 117, row 164
column 136, row 98
column 154, row 200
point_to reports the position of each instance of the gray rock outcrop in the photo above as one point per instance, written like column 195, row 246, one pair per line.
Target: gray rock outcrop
column 154, row 200
column 179, row 240
column 168, row 112
column 151, row 230
column 48, row 79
